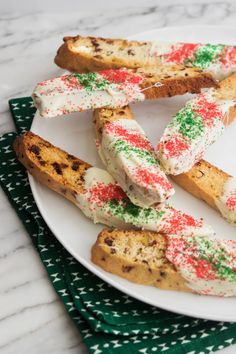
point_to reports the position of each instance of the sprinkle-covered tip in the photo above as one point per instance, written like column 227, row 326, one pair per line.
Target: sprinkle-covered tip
column 192, row 130
column 131, row 160
column 104, row 201
column 219, row 59
column 79, row 92
column 208, row 265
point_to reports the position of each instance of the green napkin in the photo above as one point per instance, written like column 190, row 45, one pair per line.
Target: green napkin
column 108, row 320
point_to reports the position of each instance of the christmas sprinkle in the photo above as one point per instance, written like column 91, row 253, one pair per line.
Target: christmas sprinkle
column 208, row 265
column 104, row 201
column 219, row 59
column 192, row 130
column 79, row 92
column 131, row 159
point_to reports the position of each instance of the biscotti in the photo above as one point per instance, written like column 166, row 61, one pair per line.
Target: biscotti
column 201, row 265
column 196, row 126
column 209, row 183
column 130, row 157
column 96, row 193
column 139, row 256
column 115, row 88
column 83, row 54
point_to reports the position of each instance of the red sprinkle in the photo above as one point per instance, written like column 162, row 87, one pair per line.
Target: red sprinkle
column 178, row 222
column 133, row 138
column 228, row 56
column 121, row 76
column 231, row 201
column 101, row 193
column 209, row 111
column 147, row 178
column 182, row 254
column 70, row 81
column 173, row 147
column 181, row 52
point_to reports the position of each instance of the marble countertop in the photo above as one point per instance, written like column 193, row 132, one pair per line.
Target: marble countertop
column 32, row 319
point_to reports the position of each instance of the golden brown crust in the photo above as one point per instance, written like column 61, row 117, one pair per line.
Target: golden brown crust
column 204, row 181
column 154, row 270
column 105, row 115
column 50, row 165
column 177, row 86
column 68, row 58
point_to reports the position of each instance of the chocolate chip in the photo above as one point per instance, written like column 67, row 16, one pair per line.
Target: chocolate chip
column 75, row 165
column 35, row 149
column 152, row 243
column 42, row 163
column 57, row 168
column 127, row 269
column 186, row 74
column 113, row 250
column 82, row 178
column 71, row 157
column 200, row 174
column 103, row 259
column 162, row 274
column 144, row 261
column 74, row 194
column 94, row 42
column 131, row 52
column 121, row 113
column 149, row 269
column 108, row 241
column 63, row 191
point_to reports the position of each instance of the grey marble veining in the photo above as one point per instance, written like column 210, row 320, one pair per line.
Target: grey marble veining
column 32, row 319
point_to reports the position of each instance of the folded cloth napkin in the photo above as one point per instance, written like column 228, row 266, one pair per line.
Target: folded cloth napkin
column 108, row 320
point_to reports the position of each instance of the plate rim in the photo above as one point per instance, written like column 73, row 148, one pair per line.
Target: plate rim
column 106, row 276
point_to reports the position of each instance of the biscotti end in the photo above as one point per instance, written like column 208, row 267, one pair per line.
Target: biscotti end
column 138, row 256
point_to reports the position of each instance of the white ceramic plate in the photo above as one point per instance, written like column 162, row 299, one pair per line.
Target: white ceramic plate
column 75, row 134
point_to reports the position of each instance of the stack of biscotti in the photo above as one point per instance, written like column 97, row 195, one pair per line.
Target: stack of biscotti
column 197, row 264
column 116, row 88
column 82, row 54
column 203, row 180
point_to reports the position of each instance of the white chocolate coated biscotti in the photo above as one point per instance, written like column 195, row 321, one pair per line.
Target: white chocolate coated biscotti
column 130, row 157
column 115, row 88
column 197, row 126
column 83, row 54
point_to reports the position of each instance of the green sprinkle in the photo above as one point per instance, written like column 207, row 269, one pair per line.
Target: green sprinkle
column 206, row 55
column 131, row 213
column 91, row 81
column 217, row 256
column 121, row 147
column 190, row 124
